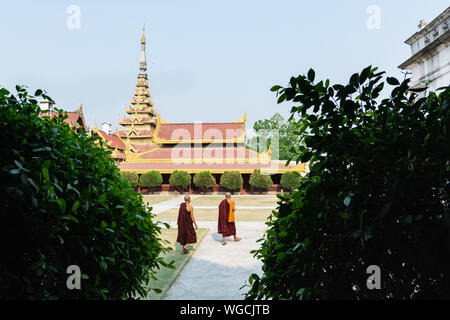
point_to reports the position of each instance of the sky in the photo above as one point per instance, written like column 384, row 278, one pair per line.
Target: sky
column 208, row 60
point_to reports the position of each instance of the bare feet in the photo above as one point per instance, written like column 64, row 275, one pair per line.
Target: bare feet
column 236, row 239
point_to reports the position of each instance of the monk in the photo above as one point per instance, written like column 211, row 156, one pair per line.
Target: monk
column 226, row 224
column 186, row 232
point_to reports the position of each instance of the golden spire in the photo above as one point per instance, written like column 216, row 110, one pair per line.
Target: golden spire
column 143, row 35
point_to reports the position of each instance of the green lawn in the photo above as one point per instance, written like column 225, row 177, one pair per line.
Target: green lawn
column 212, row 214
column 259, row 201
column 167, row 276
column 152, row 199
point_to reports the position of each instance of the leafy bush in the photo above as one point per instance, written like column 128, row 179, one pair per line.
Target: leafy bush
column 204, row 180
column 290, row 180
column 63, row 203
column 232, row 180
column 378, row 193
column 151, row 179
column 131, row 176
column 259, row 180
column 180, row 179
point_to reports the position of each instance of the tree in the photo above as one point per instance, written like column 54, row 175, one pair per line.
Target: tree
column 377, row 193
column 259, row 180
column 131, row 176
column 290, row 180
column 204, row 180
column 232, row 180
column 180, row 179
column 151, row 179
column 275, row 130
column 63, row 203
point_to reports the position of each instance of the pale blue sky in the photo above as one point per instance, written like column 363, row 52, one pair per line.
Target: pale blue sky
column 208, row 60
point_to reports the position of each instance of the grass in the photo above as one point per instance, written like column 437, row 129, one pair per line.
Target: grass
column 153, row 199
column 212, row 215
column 258, row 201
column 165, row 276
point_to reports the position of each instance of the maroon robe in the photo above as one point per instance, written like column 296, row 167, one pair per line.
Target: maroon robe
column 224, row 227
column 186, row 231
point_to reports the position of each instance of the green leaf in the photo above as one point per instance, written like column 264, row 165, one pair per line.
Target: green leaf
column 61, row 204
column 275, row 88
column 75, row 206
column 45, row 174
column 344, row 214
column 392, row 81
column 311, row 75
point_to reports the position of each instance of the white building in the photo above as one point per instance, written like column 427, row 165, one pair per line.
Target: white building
column 46, row 105
column 430, row 60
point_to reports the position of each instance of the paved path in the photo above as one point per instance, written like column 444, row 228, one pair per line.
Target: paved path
column 175, row 203
column 216, row 271
column 169, row 204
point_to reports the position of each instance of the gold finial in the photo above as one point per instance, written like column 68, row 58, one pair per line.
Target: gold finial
column 143, row 35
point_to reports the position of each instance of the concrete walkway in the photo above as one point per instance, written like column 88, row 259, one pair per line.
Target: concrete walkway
column 216, row 271
column 169, row 204
column 175, row 203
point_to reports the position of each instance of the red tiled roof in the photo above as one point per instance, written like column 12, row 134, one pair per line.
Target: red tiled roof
column 143, row 148
column 210, row 152
column 112, row 140
column 165, row 167
column 200, row 131
column 72, row 116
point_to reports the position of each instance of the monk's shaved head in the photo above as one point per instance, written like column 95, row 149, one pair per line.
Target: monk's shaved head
column 227, row 195
column 187, row 198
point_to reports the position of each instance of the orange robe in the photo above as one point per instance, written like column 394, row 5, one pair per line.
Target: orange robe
column 231, row 214
column 225, row 227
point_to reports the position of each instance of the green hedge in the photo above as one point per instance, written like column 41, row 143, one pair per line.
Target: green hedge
column 151, row 179
column 377, row 193
column 63, row 202
column 204, row 180
column 232, row 180
column 180, row 179
column 259, row 180
column 131, row 176
column 290, row 180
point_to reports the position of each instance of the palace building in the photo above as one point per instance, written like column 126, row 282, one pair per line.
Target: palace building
column 148, row 142
column 75, row 119
column 430, row 53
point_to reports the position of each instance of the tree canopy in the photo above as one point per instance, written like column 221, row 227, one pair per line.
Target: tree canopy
column 232, row 180
column 377, row 193
column 274, row 130
column 64, row 203
column 204, row 180
column 151, row 179
column 180, row 179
